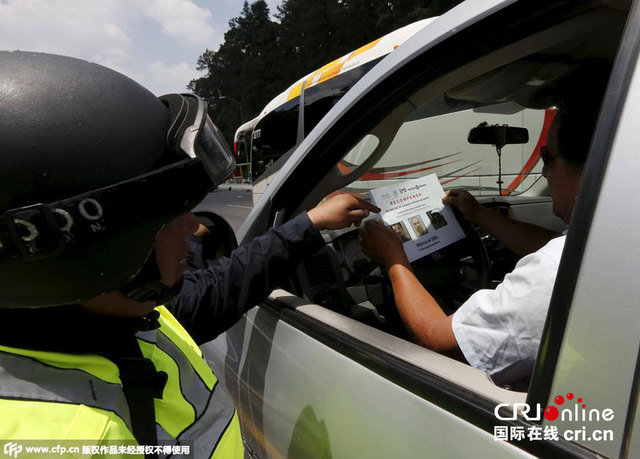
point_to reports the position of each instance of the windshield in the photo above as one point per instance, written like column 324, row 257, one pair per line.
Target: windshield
column 433, row 139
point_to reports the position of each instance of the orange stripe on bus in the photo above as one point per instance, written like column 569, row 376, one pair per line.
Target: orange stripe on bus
column 549, row 115
column 388, row 175
column 364, row 48
column 330, row 70
column 295, row 92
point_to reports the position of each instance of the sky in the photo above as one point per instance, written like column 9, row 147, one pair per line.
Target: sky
column 155, row 42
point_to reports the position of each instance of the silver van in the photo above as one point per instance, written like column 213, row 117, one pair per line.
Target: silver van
column 323, row 369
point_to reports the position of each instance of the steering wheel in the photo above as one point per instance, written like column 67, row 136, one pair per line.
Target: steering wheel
column 357, row 284
column 451, row 275
column 454, row 273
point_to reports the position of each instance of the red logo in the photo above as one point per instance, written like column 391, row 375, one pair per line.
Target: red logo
column 551, row 413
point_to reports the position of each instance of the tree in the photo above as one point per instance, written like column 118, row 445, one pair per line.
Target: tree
column 240, row 75
column 260, row 57
column 313, row 33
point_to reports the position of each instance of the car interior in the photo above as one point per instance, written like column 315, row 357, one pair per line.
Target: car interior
column 529, row 74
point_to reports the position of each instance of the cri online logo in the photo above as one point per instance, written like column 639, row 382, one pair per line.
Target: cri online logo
column 576, row 413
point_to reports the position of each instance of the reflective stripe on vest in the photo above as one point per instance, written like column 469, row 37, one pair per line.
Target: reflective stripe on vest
column 68, row 388
column 61, row 421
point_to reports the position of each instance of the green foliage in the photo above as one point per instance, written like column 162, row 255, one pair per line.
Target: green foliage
column 262, row 54
column 242, row 69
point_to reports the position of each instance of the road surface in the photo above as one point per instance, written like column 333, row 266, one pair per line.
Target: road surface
column 233, row 205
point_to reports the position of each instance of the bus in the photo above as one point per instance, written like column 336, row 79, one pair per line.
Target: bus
column 291, row 115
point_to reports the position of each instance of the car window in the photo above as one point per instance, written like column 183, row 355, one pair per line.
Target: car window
column 358, row 154
column 513, row 88
column 433, row 139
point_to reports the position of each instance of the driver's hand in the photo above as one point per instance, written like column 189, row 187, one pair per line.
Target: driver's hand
column 382, row 244
column 468, row 206
column 340, row 211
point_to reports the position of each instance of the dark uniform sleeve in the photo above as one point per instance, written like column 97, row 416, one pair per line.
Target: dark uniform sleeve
column 213, row 299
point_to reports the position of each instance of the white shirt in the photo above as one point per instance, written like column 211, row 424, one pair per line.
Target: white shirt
column 499, row 330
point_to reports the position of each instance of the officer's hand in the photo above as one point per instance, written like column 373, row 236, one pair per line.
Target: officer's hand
column 468, row 206
column 340, row 211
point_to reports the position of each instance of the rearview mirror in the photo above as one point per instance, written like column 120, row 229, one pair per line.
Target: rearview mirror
column 498, row 135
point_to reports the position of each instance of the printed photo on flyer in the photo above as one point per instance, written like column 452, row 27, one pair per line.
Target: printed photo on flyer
column 414, row 210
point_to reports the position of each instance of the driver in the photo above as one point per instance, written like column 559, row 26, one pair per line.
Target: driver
column 499, row 330
column 97, row 179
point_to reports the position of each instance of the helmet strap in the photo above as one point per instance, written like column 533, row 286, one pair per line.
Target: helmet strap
column 147, row 286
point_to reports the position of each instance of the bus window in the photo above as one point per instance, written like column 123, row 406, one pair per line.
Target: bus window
column 273, row 136
column 240, row 147
column 275, row 130
column 319, row 99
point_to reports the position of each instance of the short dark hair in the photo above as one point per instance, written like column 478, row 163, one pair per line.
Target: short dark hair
column 574, row 131
column 579, row 109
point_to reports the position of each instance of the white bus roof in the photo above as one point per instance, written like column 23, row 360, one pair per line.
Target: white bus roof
column 367, row 53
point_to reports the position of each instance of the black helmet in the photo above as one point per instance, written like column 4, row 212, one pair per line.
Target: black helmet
column 92, row 165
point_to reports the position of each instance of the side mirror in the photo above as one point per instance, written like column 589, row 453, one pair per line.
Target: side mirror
column 498, row 135
column 215, row 238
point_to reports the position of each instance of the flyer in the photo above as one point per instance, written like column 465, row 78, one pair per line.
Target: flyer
column 414, row 210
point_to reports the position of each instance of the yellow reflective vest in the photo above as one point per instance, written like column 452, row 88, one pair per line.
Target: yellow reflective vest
column 65, row 397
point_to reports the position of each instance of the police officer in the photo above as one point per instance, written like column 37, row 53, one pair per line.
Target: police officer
column 97, row 177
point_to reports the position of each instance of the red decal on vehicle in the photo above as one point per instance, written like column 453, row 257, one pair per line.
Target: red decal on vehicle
column 388, row 175
column 549, row 115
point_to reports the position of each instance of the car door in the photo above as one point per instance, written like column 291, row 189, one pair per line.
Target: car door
column 592, row 340
column 310, row 380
